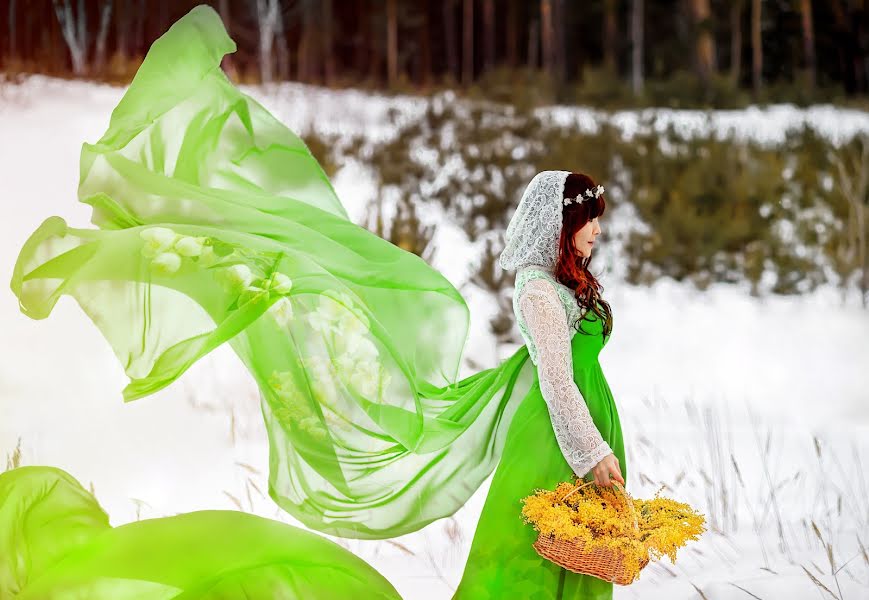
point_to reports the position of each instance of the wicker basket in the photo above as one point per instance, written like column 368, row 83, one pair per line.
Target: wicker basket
column 604, row 563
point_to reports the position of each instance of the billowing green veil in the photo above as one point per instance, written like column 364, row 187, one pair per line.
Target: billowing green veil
column 56, row 543
column 216, row 224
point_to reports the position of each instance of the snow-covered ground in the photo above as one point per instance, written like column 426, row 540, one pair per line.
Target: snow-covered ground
column 754, row 411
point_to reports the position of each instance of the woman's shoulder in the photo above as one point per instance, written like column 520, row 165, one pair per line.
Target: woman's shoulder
column 538, row 286
column 532, row 273
column 542, row 280
column 526, row 274
column 533, row 281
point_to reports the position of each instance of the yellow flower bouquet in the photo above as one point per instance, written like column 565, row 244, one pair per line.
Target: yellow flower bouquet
column 591, row 529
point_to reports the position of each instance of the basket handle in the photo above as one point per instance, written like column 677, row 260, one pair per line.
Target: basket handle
column 624, row 493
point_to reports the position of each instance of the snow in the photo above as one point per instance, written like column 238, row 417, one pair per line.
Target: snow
column 352, row 112
column 706, row 383
column 767, row 125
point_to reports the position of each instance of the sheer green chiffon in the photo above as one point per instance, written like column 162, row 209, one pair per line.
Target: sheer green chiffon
column 57, row 544
column 215, row 224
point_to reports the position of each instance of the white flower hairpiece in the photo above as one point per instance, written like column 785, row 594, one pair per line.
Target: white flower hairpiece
column 588, row 193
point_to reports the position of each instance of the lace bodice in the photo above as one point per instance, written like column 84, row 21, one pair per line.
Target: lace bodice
column 544, row 317
column 565, row 295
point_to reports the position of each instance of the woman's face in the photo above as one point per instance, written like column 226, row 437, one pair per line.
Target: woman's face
column 584, row 238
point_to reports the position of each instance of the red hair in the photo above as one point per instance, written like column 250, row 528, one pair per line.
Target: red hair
column 571, row 268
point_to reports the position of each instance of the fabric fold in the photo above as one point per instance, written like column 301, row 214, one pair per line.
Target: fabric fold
column 57, row 544
column 215, row 224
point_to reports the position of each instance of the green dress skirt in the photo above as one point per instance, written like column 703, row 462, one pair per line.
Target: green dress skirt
column 502, row 562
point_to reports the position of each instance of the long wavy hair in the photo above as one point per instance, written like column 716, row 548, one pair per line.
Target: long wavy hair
column 571, row 268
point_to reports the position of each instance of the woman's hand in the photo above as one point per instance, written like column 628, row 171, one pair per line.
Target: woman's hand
column 609, row 465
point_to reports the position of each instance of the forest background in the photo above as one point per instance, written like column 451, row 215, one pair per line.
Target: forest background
column 784, row 217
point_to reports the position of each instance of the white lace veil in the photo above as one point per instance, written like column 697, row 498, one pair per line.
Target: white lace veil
column 533, row 232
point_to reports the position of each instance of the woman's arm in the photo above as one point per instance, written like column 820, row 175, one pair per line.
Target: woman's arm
column 580, row 441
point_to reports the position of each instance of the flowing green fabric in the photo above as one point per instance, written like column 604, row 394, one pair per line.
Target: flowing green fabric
column 215, row 224
column 502, row 562
column 57, row 545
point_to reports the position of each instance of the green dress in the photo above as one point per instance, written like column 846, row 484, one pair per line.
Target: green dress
column 502, row 562
column 215, row 224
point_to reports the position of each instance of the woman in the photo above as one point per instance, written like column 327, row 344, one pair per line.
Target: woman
column 217, row 225
column 565, row 324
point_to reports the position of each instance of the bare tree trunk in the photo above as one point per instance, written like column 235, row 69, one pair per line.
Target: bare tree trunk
column 391, row 42
column 610, row 31
column 637, row 46
column 267, row 13
column 546, row 35
column 305, row 50
column 513, row 34
column 328, row 42
column 102, row 34
column 468, row 43
column 559, row 43
column 282, row 49
column 534, row 44
column 450, row 37
column 25, row 33
column 756, row 47
column 122, row 30
column 13, row 46
column 488, row 34
column 704, row 51
column 139, row 30
column 74, row 29
column 858, row 44
column 842, row 31
column 850, row 57
column 360, row 38
column 425, row 48
column 808, row 41
column 736, row 7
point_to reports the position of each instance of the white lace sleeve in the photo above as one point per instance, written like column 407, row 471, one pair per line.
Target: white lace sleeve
column 544, row 315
